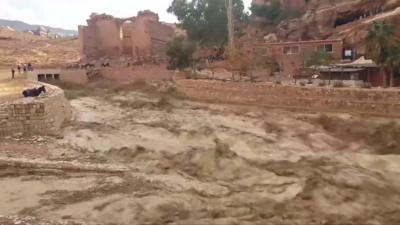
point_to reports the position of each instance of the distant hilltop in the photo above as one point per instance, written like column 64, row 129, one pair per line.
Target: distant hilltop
column 25, row 27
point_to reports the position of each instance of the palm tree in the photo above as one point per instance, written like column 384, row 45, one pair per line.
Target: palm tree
column 392, row 62
column 380, row 40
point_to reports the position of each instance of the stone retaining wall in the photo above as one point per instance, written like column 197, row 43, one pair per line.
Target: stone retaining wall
column 371, row 101
column 35, row 116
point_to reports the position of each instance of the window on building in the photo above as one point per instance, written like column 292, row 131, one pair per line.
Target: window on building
column 326, row 48
column 41, row 77
column 348, row 53
column 291, row 50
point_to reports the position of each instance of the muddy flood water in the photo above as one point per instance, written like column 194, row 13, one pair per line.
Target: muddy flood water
column 135, row 156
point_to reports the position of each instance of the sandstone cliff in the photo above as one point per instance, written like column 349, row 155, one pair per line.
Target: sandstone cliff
column 345, row 19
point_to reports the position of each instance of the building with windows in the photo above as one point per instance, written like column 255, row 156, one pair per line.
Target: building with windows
column 359, row 71
column 291, row 56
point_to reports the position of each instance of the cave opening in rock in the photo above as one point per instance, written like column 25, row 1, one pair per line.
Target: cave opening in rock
column 343, row 20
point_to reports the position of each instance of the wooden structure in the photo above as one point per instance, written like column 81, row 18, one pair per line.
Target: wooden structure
column 359, row 70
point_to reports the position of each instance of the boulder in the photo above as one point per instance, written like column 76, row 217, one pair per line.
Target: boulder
column 271, row 38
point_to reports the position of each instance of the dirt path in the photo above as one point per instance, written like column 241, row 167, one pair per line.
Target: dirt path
column 192, row 163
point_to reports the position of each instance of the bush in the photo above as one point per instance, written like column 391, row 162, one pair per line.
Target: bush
column 302, row 83
column 180, row 50
column 274, row 12
column 271, row 11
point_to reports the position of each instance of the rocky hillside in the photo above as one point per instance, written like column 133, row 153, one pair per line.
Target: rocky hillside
column 17, row 47
column 345, row 19
column 21, row 26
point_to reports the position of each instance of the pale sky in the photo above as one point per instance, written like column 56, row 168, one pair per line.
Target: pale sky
column 71, row 13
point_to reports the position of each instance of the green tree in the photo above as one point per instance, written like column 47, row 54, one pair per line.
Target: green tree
column 381, row 45
column 205, row 21
column 180, row 50
column 271, row 11
column 319, row 58
column 392, row 63
column 274, row 11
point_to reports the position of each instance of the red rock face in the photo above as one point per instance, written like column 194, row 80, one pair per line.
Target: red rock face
column 294, row 4
column 345, row 19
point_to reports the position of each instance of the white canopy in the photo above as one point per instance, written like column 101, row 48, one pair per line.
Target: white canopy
column 361, row 62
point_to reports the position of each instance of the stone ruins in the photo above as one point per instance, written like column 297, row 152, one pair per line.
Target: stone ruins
column 138, row 37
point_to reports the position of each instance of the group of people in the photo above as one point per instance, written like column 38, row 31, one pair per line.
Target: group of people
column 21, row 68
column 217, row 54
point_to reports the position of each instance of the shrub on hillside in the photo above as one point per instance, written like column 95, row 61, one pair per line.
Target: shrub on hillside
column 180, row 50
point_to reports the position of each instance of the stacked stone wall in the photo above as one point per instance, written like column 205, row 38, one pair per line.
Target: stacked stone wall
column 371, row 101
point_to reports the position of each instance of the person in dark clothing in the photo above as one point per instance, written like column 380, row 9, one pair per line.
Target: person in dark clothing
column 30, row 68
column 13, row 73
column 24, row 69
column 19, row 68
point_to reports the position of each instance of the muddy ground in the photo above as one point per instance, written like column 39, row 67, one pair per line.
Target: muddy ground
column 133, row 155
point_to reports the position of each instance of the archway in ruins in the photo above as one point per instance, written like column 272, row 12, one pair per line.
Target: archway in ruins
column 126, row 36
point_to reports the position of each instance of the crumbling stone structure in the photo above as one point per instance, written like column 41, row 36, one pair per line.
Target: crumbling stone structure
column 136, row 37
column 35, row 116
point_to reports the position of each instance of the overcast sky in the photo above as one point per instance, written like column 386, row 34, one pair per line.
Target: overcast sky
column 71, row 13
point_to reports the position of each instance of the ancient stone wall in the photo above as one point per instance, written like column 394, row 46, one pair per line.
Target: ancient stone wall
column 110, row 37
column 160, row 36
column 35, row 116
column 64, row 75
column 141, row 37
column 371, row 101
column 127, row 33
column 82, row 40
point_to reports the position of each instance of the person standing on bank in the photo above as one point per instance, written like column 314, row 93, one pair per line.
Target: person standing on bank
column 13, row 73
column 30, row 67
